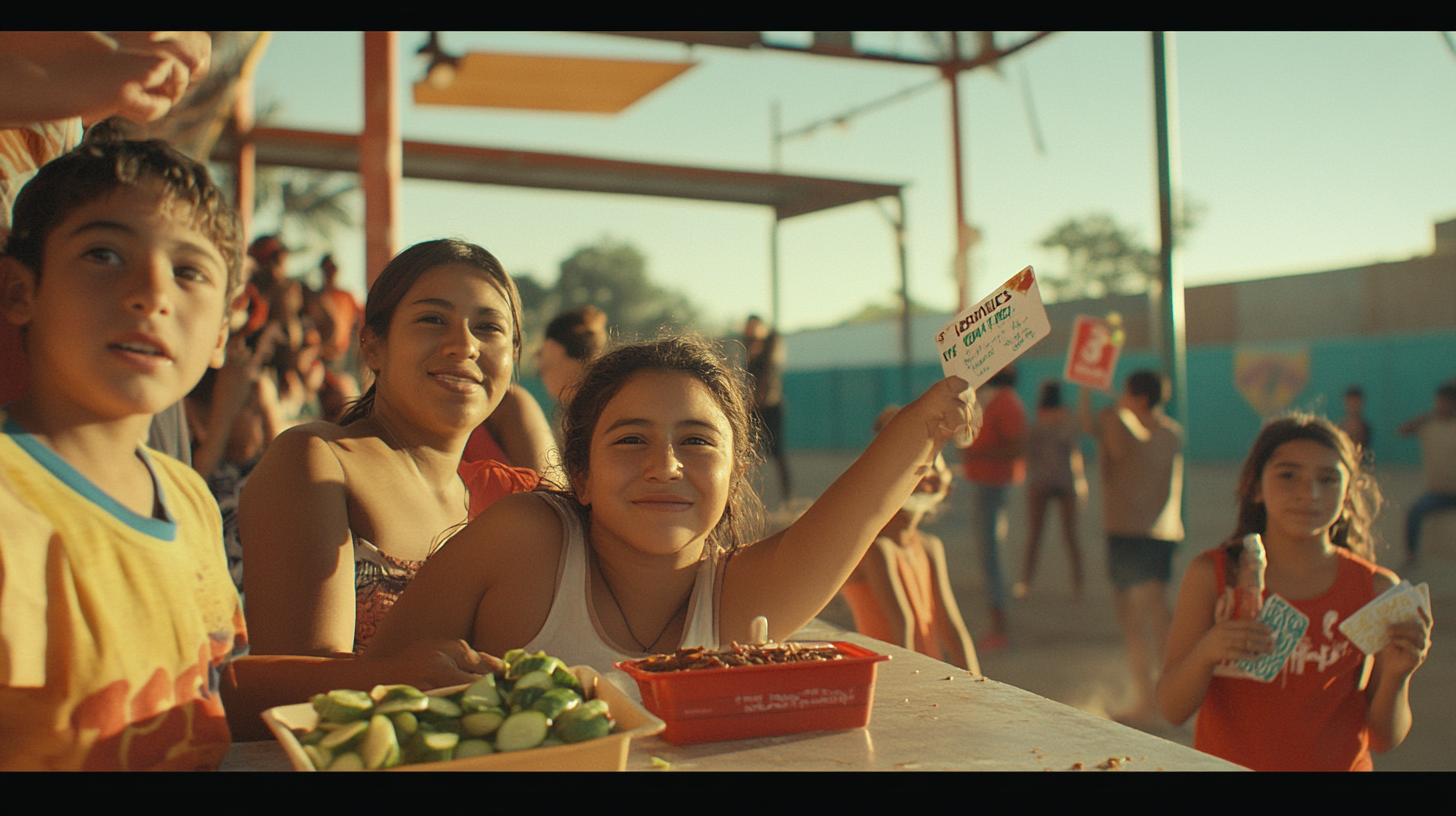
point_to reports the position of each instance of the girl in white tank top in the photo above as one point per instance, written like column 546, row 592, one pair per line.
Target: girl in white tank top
column 647, row 549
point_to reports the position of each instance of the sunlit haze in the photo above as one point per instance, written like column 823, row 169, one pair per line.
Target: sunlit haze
column 1307, row 151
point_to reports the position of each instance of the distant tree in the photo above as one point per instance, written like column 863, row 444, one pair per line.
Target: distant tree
column 1103, row 258
column 312, row 205
column 308, row 208
column 886, row 310
column 612, row 276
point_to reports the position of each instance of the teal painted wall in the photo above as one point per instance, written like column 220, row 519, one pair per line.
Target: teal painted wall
column 833, row 409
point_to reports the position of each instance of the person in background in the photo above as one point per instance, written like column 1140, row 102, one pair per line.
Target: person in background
column 573, row 339
column 1053, row 474
column 343, row 312
column 1354, row 424
column 270, row 270
column 1140, row 451
column 900, row 592
column 517, row 434
column 766, row 369
column 232, row 415
column 994, row 463
column 518, row 431
column 1436, row 431
column 1302, row 490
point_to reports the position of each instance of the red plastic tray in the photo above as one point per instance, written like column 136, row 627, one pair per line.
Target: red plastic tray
column 713, row 705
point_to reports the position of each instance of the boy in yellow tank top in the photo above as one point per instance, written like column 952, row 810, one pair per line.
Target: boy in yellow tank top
column 117, row 614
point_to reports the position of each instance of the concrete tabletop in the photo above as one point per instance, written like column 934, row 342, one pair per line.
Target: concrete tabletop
column 927, row 716
column 931, row 716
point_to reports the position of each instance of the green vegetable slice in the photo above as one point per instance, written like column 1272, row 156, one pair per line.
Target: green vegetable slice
column 472, row 747
column 482, row 723
column 380, row 748
column 526, row 729
column 555, row 702
column 481, row 695
column 340, row 738
column 343, row 705
column 347, row 762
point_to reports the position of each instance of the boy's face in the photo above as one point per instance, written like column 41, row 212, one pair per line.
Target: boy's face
column 128, row 310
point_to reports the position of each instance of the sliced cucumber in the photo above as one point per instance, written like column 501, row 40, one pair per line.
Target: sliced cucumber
column 347, row 762
column 557, row 701
column 481, row 695
column 341, row 738
column 582, row 723
column 482, row 723
column 472, row 747
column 405, row 724
column 520, row 731
column 380, row 748
column 537, row 662
column 343, row 705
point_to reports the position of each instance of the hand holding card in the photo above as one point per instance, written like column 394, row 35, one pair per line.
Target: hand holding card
column 1369, row 629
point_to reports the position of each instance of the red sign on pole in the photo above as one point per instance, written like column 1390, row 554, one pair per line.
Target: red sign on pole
column 1093, row 354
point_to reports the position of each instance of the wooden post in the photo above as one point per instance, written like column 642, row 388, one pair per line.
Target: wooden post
column 381, row 154
column 245, row 166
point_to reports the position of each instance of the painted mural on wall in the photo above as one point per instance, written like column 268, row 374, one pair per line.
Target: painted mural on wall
column 1270, row 379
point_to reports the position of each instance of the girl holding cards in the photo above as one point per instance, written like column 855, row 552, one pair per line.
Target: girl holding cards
column 1303, row 491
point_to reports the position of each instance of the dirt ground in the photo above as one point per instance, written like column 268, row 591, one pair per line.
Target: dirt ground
column 1072, row 652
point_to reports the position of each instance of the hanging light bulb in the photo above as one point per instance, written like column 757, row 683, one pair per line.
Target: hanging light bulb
column 440, row 67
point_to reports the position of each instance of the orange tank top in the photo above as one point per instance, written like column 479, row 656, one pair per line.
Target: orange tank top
column 1312, row 717
column 918, row 581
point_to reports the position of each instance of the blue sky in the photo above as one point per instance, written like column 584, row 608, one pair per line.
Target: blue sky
column 1309, row 151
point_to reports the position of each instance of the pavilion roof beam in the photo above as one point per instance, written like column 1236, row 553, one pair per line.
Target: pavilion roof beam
column 789, row 195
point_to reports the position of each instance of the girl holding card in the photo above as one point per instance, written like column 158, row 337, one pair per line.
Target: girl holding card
column 1303, row 491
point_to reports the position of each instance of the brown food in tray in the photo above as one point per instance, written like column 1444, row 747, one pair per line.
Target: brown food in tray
column 738, row 655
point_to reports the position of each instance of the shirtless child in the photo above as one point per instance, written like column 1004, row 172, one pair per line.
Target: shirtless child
column 900, row 592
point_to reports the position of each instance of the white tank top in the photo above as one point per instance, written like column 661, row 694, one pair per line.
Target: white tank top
column 571, row 631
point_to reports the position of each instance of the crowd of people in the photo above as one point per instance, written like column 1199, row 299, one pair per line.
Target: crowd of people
column 329, row 536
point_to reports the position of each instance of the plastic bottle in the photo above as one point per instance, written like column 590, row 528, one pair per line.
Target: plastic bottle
column 1248, row 587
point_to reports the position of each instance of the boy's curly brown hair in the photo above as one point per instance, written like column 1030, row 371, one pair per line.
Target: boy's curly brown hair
column 104, row 163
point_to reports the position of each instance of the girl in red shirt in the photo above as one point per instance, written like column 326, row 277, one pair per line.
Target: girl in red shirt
column 1303, row 491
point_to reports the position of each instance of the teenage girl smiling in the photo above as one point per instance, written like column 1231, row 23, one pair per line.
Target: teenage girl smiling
column 1303, row 491
column 647, row 550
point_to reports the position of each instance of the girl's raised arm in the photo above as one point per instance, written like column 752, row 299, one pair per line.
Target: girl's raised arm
column 1196, row 644
column 791, row 576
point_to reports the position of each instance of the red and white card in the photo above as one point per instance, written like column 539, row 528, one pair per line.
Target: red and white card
column 1092, row 356
column 986, row 337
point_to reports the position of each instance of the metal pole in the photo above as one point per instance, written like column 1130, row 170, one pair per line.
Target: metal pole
column 381, row 153
column 773, row 269
column 1174, row 346
column 905, row 315
column 962, row 264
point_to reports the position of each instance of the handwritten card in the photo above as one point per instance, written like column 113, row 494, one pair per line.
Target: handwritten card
column 992, row 333
column 1369, row 628
column 1287, row 626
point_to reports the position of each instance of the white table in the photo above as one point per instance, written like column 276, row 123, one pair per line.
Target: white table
column 927, row 716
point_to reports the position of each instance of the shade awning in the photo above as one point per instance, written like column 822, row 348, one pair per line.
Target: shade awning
column 534, row 82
